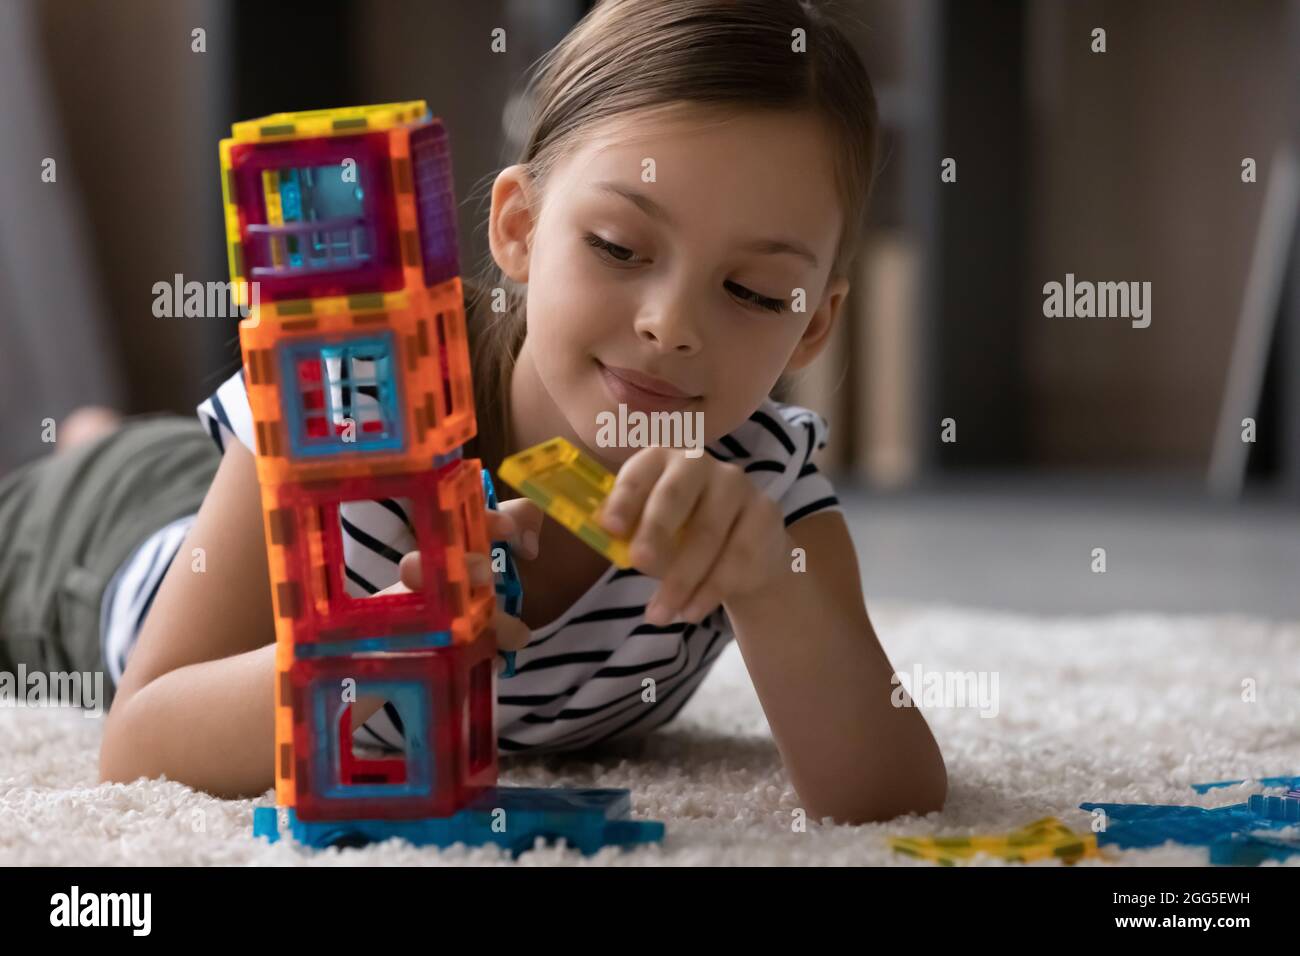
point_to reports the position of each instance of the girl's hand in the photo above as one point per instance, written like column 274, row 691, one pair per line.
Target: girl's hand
column 519, row 522
column 732, row 536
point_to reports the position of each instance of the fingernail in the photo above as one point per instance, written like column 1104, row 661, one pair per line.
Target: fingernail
column 480, row 573
column 657, row 612
column 530, row 543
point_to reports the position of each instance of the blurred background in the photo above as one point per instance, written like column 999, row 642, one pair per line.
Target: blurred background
column 1070, row 434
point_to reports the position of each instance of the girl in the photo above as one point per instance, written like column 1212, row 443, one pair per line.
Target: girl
column 675, row 236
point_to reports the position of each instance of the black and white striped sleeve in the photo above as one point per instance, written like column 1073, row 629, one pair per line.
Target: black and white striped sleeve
column 227, row 416
column 809, row 490
column 775, row 447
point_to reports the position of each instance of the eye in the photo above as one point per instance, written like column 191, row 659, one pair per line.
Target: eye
column 619, row 253
column 754, row 299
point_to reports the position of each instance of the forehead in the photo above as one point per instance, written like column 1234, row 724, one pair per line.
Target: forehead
column 749, row 172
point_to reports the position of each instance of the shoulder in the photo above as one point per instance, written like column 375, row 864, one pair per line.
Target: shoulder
column 776, row 438
column 775, row 447
column 226, row 414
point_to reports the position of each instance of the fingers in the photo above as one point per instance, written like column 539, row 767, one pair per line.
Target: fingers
column 701, row 548
column 502, row 527
column 747, row 548
column 479, row 567
column 519, row 524
column 639, row 474
column 654, row 495
column 669, row 505
column 527, row 518
column 409, row 570
column 512, row 633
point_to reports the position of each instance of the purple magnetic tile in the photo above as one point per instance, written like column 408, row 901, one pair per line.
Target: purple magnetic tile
column 435, row 203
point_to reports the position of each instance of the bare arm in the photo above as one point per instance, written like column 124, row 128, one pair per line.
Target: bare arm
column 197, row 700
column 824, row 683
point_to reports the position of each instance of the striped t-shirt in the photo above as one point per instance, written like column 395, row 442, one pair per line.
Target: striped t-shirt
column 581, row 677
column 130, row 593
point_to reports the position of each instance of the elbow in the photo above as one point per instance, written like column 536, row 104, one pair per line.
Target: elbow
column 109, row 769
column 920, row 795
column 115, row 765
column 111, row 775
column 927, row 793
column 931, row 790
column 927, row 797
column 883, row 809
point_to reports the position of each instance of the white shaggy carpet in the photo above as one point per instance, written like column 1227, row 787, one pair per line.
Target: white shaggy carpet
column 1123, row 708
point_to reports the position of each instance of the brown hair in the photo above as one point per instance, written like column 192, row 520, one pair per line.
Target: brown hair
column 723, row 53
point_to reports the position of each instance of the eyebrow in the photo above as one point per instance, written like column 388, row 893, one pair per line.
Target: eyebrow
column 656, row 211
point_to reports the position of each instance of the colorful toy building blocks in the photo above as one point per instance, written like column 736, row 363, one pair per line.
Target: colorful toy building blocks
column 444, row 699
column 388, row 386
column 332, row 204
column 569, row 486
column 356, row 362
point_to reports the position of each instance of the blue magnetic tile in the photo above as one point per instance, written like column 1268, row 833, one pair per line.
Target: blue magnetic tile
column 1276, row 808
column 342, row 394
column 509, row 588
column 1146, row 811
column 368, row 645
column 265, row 824
column 1262, row 781
column 510, row 817
column 1245, row 851
column 411, row 698
column 1143, row 825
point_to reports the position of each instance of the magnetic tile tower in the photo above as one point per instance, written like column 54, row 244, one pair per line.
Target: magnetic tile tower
column 342, row 243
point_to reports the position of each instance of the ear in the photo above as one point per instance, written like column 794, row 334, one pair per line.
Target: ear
column 510, row 224
column 818, row 332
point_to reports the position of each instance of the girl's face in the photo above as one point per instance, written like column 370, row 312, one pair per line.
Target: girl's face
column 664, row 266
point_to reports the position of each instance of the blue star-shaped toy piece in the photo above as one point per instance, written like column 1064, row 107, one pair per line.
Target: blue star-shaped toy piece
column 1241, row 834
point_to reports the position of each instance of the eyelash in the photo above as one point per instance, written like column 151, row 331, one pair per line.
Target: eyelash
column 739, row 291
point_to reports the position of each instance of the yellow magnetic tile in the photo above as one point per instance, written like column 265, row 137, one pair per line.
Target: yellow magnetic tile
column 570, row 487
column 332, row 122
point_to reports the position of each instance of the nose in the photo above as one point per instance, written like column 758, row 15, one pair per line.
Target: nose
column 670, row 327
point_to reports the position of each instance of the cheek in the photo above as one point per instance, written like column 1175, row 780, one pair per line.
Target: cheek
column 758, row 357
column 571, row 286
column 764, row 345
column 561, row 306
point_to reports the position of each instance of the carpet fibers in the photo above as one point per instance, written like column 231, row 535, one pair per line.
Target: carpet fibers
column 1121, row 708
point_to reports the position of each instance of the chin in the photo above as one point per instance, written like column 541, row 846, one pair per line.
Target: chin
column 612, row 458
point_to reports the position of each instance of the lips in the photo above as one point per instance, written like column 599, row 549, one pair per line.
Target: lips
column 643, row 392
column 647, row 383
